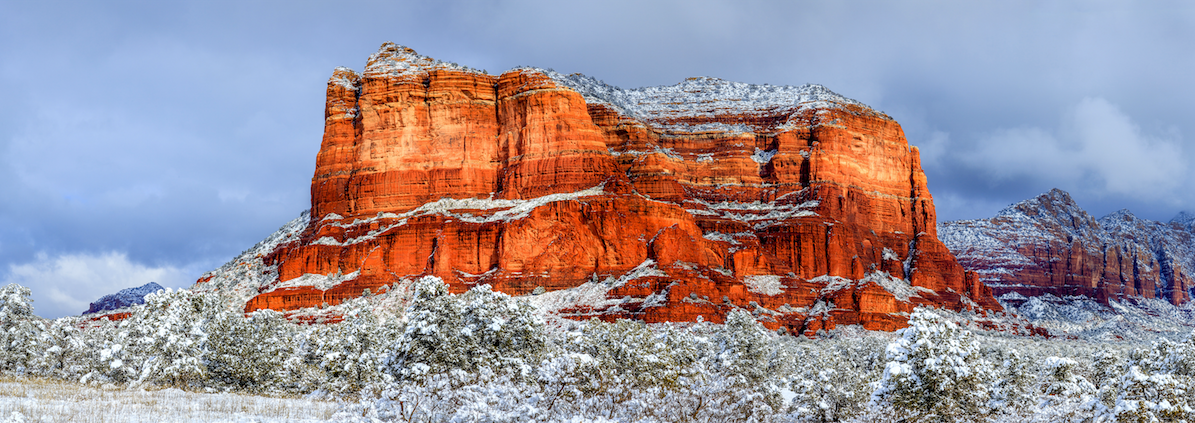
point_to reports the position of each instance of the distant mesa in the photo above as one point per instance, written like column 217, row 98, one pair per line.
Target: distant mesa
column 127, row 297
column 671, row 203
column 1049, row 245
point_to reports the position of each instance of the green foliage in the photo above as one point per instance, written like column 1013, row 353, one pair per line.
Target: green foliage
column 353, row 353
column 830, row 379
column 1156, row 384
column 1151, row 398
column 250, row 354
column 20, row 330
column 630, row 353
column 828, row 392
column 935, row 372
column 1060, row 383
column 480, row 328
column 1167, row 356
column 484, row 356
column 164, row 341
column 745, row 347
column 67, row 350
column 1013, row 389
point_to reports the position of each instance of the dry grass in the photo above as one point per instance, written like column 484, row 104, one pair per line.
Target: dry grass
column 43, row 400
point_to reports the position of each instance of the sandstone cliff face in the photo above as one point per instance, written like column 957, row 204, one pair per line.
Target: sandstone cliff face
column 1048, row 245
column 662, row 204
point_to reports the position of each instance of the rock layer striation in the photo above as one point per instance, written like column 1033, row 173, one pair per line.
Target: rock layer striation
column 1049, row 245
column 671, row 203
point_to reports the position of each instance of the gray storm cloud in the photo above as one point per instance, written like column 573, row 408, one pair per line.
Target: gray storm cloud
column 1095, row 148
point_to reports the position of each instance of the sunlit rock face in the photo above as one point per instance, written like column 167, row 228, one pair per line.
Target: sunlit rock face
column 1049, row 245
column 671, row 203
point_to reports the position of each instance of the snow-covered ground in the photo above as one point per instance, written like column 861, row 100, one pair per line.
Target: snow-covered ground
column 1141, row 321
column 43, row 400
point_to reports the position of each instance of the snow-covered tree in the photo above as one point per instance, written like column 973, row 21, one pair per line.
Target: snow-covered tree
column 1013, row 390
column 630, row 353
column 830, row 381
column 164, row 341
column 250, row 353
column 934, row 372
column 480, row 328
column 1106, row 372
column 744, row 347
column 1147, row 397
column 353, row 353
column 828, row 394
column 20, row 330
column 1155, row 385
column 70, row 350
column 1167, row 356
column 1060, row 384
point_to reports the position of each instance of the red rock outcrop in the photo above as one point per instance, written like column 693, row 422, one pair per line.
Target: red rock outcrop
column 1049, row 245
column 673, row 203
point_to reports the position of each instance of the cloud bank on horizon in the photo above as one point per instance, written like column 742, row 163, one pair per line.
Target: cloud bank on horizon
column 153, row 141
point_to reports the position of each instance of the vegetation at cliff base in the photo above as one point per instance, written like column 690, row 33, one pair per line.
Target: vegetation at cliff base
column 483, row 356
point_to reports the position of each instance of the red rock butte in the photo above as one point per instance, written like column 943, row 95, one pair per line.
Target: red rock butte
column 670, row 203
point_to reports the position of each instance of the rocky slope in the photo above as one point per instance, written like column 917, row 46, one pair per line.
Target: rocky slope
column 1049, row 245
column 665, row 203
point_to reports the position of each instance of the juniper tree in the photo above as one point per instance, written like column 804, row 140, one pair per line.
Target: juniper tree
column 354, row 352
column 249, row 353
column 934, row 372
column 164, row 341
column 480, row 328
column 1060, row 384
column 19, row 329
column 1156, row 385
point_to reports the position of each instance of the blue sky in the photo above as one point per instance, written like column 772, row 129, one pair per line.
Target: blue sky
column 152, row 141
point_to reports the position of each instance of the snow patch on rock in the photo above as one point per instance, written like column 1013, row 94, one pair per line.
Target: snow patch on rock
column 762, row 156
column 764, row 284
column 595, row 293
column 675, row 108
column 400, row 61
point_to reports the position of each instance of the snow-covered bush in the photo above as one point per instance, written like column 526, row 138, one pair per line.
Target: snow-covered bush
column 1107, row 367
column 1156, row 384
column 744, row 347
column 828, row 395
column 1013, row 391
column 629, row 353
column 352, row 354
column 480, row 328
column 1060, row 384
column 1149, row 398
column 20, row 330
column 831, row 378
column 934, row 372
column 1167, row 356
column 164, row 341
column 250, row 353
column 70, row 351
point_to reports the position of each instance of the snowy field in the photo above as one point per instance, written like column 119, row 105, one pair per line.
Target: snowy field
column 45, row 400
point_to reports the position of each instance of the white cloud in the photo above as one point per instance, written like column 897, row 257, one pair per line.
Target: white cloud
column 67, row 284
column 1096, row 147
